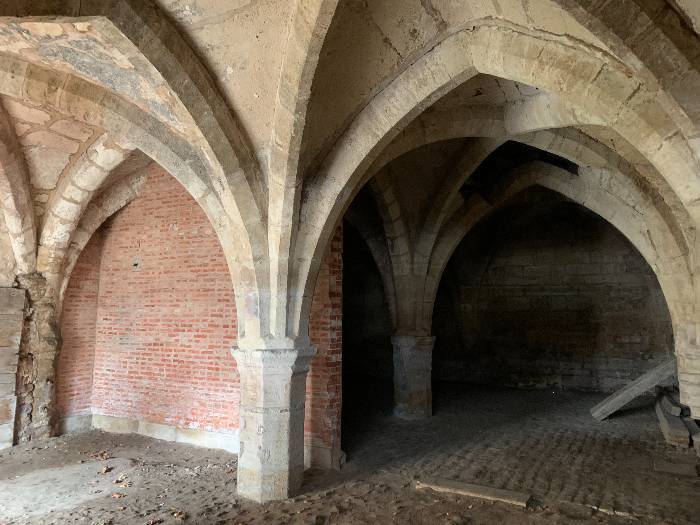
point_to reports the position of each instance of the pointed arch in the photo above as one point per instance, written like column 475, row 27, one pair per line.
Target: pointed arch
column 100, row 208
column 93, row 104
column 595, row 84
column 622, row 205
column 68, row 202
column 15, row 198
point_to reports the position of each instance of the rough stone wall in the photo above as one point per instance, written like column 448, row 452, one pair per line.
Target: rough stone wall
column 76, row 360
column 7, row 259
column 165, row 322
column 36, row 367
column 11, row 320
column 555, row 297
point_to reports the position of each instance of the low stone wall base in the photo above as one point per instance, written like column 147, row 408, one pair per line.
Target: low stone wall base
column 122, row 425
column 316, row 456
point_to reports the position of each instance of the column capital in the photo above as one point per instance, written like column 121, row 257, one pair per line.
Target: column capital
column 419, row 342
column 270, row 359
column 272, row 343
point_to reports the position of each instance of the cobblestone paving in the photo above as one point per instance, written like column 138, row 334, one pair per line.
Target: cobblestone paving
column 541, row 442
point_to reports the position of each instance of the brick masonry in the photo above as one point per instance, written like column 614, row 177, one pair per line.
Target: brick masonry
column 324, row 382
column 76, row 361
column 149, row 321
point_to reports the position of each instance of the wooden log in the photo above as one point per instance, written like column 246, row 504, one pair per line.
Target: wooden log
column 637, row 387
column 476, row 491
column 672, row 427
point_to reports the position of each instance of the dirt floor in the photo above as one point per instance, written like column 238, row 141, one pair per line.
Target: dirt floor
column 542, row 443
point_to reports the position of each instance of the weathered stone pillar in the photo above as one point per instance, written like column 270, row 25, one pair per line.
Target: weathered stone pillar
column 413, row 357
column 36, row 370
column 273, row 391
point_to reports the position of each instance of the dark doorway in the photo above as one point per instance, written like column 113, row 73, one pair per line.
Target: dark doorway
column 367, row 352
column 545, row 294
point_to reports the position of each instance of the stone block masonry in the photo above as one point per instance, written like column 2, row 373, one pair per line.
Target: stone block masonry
column 12, row 303
column 149, row 322
column 560, row 300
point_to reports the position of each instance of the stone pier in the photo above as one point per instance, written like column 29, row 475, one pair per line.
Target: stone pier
column 273, row 390
column 413, row 356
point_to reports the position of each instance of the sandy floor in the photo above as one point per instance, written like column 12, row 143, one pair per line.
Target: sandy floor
column 543, row 443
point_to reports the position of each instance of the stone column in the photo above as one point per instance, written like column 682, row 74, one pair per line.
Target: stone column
column 413, row 357
column 273, row 392
column 36, row 369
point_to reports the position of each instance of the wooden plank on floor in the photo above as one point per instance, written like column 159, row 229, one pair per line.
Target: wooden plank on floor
column 475, row 491
column 677, row 469
column 674, row 430
column 635, row 388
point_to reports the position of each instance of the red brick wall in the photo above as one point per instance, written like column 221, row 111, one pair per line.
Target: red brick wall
column 166, row 317
column 77, row 357
column 166, row 321
column 324, row 382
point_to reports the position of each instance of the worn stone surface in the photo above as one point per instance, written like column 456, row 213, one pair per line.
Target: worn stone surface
column 36, row 369
column 199, row 482
column 271, row 457
column 639, row 386
column 413, row 357
column 12, row 302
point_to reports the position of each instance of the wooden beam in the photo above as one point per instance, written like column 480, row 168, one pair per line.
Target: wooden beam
column 637, row 387
column 476, row 491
